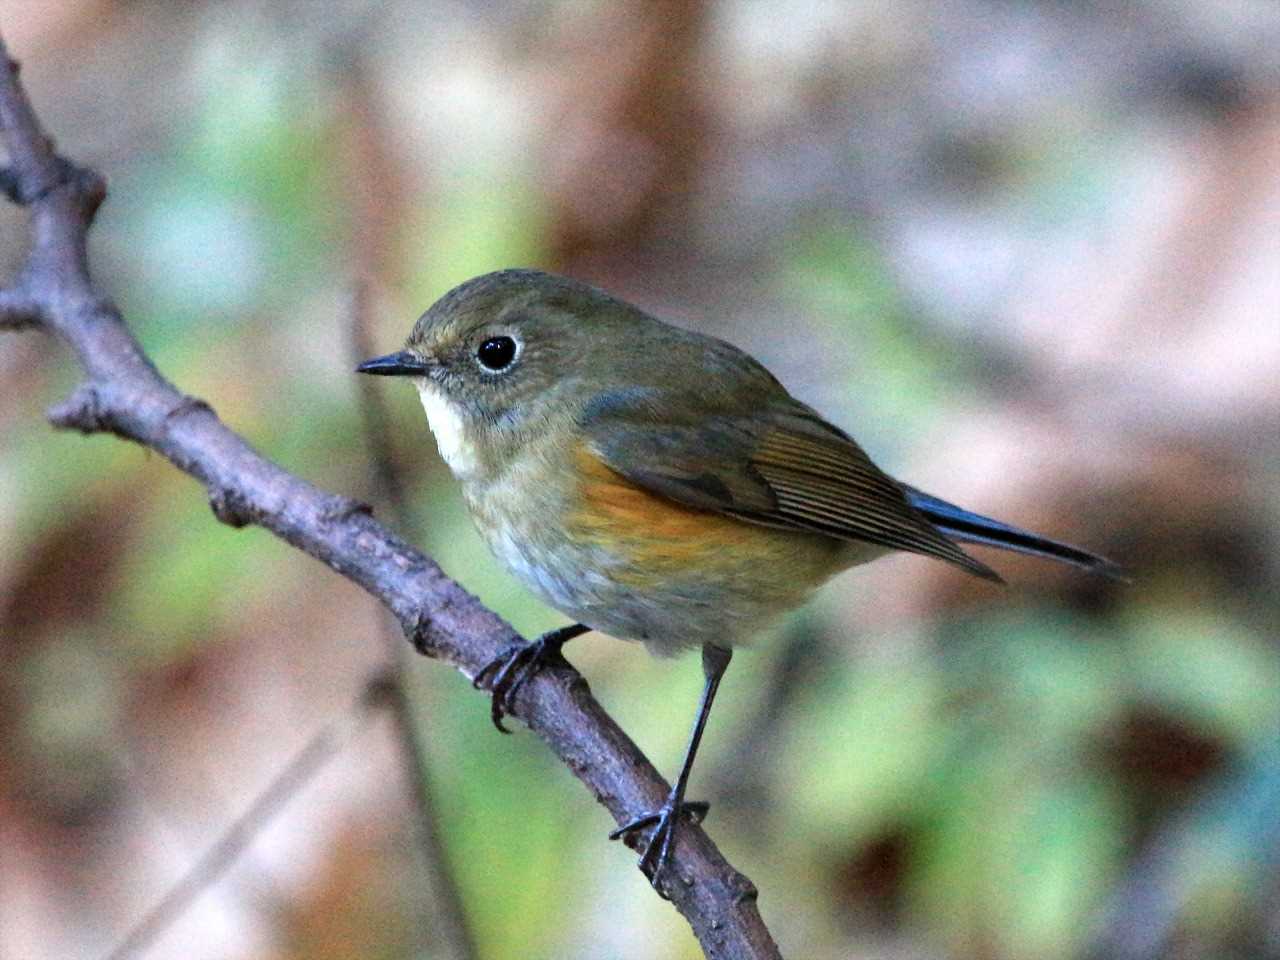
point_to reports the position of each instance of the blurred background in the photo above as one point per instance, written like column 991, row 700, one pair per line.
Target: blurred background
column 1027, row 251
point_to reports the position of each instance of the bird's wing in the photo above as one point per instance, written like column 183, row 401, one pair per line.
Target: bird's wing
column 782, row 468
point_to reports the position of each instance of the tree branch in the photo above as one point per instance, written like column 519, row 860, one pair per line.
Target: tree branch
column 125, row 395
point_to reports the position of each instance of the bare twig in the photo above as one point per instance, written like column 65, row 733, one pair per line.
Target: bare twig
column 326, row 744
column 445, row 904
column 125, row 395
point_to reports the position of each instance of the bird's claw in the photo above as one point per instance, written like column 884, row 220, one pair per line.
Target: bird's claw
column 509, row 670
column 657, row 853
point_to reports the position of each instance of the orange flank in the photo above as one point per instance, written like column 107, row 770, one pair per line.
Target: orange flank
column 660, row 541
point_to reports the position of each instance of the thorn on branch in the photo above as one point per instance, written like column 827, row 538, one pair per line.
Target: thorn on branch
column 81, row 411
column 230, row 508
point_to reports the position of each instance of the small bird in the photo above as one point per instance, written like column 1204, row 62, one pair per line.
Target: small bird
column 655, row 484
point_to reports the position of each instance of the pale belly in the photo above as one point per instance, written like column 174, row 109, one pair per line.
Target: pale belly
column 634, row 585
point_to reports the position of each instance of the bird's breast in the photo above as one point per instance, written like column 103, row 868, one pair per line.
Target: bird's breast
column 521, row 513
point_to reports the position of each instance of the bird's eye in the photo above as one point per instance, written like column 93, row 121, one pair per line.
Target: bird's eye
column 497, row 353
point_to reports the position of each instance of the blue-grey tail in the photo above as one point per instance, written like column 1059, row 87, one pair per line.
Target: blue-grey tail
column 964, row 526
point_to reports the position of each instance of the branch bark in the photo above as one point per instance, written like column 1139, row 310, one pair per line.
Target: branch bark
column 125, row 395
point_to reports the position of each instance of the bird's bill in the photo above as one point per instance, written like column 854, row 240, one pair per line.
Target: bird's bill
column 402, row 364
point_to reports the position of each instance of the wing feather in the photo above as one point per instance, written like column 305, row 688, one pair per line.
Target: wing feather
column 785, row 469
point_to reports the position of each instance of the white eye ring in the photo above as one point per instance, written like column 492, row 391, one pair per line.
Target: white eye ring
column 498, row 353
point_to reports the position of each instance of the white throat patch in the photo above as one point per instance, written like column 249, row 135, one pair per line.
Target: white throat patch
column 448, row 426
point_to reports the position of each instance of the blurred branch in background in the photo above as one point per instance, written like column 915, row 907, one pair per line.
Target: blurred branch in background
column 125, row 395
column 440, row 901
column 323, row 746
column 371, row 182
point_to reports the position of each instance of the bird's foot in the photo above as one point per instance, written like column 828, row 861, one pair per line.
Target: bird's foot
column 657, row 853
column 513, row 666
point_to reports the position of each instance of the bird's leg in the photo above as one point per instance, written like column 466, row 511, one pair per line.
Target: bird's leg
column 657, row 854
column 513, row 666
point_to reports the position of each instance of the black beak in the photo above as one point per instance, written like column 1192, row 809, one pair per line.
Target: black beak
column 402, row 364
